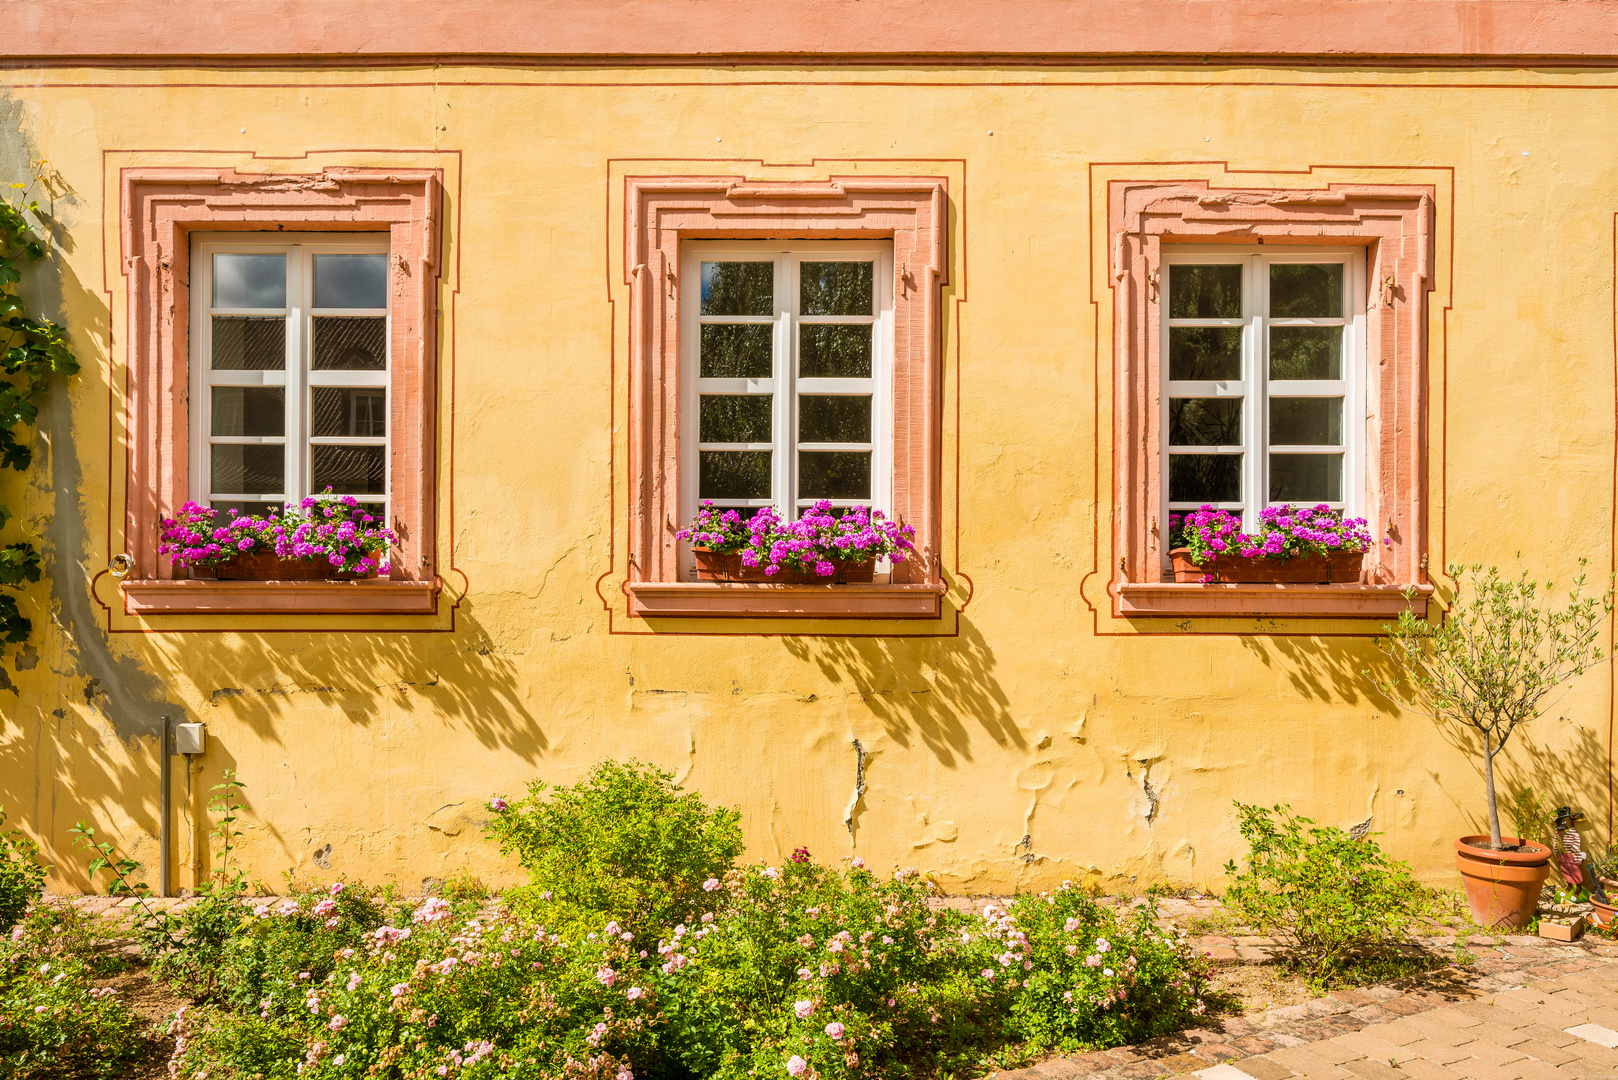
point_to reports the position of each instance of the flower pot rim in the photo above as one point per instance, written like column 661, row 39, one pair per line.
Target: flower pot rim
column 1470, row 847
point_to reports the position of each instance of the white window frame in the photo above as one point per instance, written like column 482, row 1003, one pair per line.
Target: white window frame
column 784, row 385
column 298, row 377
column 1256, row 388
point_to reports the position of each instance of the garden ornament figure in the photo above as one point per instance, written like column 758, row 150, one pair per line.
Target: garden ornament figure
column 1574, row 865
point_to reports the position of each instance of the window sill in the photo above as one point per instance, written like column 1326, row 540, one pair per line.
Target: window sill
column 761, row 600
column 202, row 597
column 1220, row 600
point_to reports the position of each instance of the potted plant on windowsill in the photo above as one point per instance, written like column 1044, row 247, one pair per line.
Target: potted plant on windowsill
column 322, row 538
column 1488, row 667
column 818, row 548
column 1293, row 544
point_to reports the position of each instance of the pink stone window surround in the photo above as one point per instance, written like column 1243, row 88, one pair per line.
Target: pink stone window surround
column 661, row 212
column 1394, row 224
column 161, row 208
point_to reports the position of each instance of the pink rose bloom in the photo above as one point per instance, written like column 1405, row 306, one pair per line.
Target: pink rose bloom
column 804, row 1009
column 796, row 1065
column 497, row 804
column 710, row 885
column 337, row 887
column 835, row 1030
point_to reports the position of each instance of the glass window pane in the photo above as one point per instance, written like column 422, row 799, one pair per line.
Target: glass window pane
column 834, row 418
column 1308, row 478
column 1205, row 478
column 339, row 411
column 1301, row 421
column 250, row 281
column 738, row 288
column 350, row 343
column 1210, row 353
column 1306, row 352
column 351, row 281
column 834, row 352
column 249, row 410
column 733, row 474
column 225, row 512
column 249, row 343
column 840, row 474
column 248, row 470
column 1205, row 292
column 1306, row 290
column 735, row 418
column 1205, row 422
column 736, row 352
column 348, row 470
column 835, row 288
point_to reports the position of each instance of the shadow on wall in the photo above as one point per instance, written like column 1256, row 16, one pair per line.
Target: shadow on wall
column 462, row 681
column 931, row 690
column 1561, row 760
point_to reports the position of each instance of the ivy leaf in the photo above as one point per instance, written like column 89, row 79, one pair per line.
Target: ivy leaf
column 13, row 627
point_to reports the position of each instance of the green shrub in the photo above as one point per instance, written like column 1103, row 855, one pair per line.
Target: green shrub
column 624, row 844
column 797, row 971
column 784, row 953
column 1331, row 899
column 22, row 878
column 55, row 1024
column 291, row 940
column 1100, row 977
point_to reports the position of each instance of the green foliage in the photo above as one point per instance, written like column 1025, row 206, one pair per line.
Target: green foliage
column 623, row 844
column 1532, row 817
column 32, row 351
column 799, row 970
column 54, row 1023
column 188, row 949
column 22, row 878
column 1490, row 664
column 1102, row 977
column 1334, row 901
column 104, row 856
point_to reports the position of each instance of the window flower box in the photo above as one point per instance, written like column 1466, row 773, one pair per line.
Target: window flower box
column 320, row 538
column 819, row 548
column 1297, row 545
column 271, row 567
column 715, row 566
column 1335, row 569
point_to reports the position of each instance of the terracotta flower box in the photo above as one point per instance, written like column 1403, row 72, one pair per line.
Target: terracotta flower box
column 270, row 567
column 1339, row 568
column 712, row 566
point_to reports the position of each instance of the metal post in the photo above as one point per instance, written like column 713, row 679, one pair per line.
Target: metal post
column 164, row 887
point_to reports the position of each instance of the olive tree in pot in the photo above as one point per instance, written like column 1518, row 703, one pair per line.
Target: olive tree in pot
column 1489, row 666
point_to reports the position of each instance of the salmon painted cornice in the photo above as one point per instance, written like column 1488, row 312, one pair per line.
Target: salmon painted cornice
column 708, row 31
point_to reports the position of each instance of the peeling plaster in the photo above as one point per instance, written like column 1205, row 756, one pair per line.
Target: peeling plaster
column 859, row 787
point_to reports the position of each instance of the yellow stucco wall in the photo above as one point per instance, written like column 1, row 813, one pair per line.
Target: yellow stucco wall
column 1015, row 743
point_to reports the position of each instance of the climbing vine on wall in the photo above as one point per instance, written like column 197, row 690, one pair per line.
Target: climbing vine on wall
column 32, row 352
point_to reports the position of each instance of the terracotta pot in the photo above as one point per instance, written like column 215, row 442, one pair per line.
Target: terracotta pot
column 712, row 566
column 1344, row 566
column 1502, row 887
column 270, row 567
column 1601, row 914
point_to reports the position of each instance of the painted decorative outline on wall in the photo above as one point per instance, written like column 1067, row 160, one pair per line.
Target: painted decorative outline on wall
column 159, row 209
column 659, row 213
column 1395, row 224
